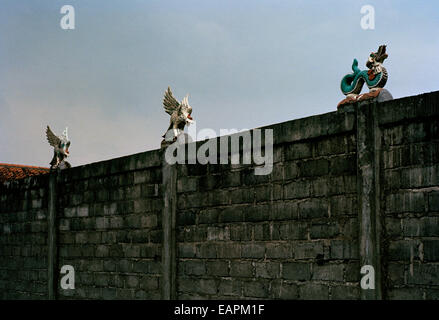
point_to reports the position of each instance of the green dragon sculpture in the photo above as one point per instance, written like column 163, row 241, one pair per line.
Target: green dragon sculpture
column 375, row 78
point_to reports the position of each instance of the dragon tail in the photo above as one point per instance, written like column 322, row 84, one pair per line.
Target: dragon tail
column 355, row 68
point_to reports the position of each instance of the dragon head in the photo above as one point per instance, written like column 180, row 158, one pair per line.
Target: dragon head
column 377, row 58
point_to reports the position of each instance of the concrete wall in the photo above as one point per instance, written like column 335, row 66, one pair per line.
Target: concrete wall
column 348, row 188
column 292, row 234
column 23, row 238
column 410, row 197
column 110, row 227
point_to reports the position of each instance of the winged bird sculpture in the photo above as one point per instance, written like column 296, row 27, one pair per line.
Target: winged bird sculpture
column 60, row 146
column 180, row 113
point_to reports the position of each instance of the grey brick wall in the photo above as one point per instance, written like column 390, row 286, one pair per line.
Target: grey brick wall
column 288, row 235
column 23, row 239
column 292, row 234
column 410, row 199
column 110, row 228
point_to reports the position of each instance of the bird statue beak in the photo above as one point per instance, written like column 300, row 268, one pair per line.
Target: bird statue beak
column 189, row 117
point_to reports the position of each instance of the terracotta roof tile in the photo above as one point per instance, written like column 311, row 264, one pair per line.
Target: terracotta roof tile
column 16, row 171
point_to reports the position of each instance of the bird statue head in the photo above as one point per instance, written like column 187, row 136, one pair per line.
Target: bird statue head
column 186, row 110
column 65, row 142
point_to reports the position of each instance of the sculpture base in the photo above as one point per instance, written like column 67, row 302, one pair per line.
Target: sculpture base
column 182, row 138
column 380, row 94
column 61, row 166
column 165, row 144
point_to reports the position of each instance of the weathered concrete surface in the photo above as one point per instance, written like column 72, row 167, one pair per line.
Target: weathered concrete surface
column 52, row 237
column 169, row 264
column 368, row 162
column 347, row 188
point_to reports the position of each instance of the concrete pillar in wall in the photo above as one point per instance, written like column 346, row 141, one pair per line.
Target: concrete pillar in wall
column 368, row 190
column 51, row 240
column 169, row 262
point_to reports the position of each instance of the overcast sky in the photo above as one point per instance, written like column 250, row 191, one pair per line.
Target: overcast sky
column 244, row 64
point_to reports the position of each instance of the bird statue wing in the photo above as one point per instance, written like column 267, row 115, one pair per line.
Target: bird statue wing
column 169, row 102
column 52, row 138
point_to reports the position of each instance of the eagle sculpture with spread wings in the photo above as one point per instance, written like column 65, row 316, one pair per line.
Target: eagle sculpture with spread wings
column 60, row 146
column 180, row 116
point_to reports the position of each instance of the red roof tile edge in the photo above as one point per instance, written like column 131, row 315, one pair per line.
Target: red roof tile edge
column 15, row 171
